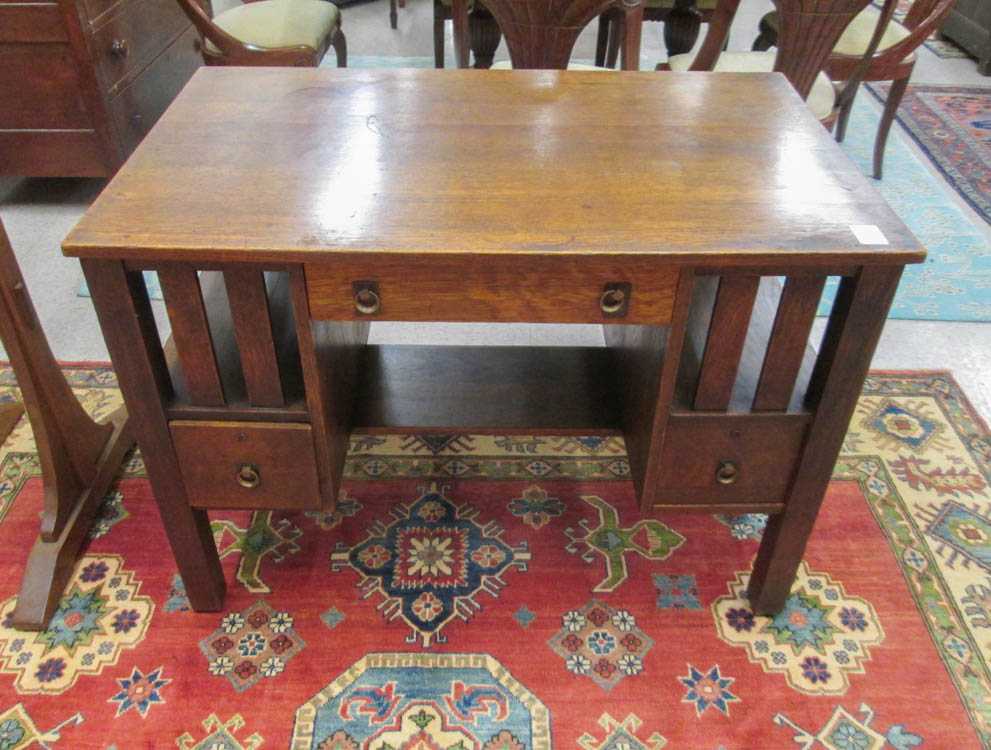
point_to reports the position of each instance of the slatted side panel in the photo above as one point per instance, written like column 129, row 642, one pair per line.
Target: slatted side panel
column 191, row 335
column 788, row 343
column 724, row 346
column 751, row 344
column 250, row 311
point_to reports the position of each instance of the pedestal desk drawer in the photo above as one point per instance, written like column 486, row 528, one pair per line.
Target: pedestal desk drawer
column 744, row 459
column 247, row 464
column 516, row 288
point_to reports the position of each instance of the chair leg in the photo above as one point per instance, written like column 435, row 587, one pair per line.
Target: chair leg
column 767, row 38
column 438, row 35
column 681, row 29
column 462, row 42
column 601, row 40
column 844, row 116
column 617, row 32
column 895, row 95
column 393, row 15
column 340, row 44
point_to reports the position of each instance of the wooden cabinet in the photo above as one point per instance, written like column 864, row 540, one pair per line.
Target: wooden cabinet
column 82, row 81
column 969, row 25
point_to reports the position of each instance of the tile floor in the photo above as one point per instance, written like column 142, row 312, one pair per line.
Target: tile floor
column 38, row 214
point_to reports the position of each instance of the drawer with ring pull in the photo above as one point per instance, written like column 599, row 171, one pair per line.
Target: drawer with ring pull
column 498, row 288
column 243, row 465
column 729, row 459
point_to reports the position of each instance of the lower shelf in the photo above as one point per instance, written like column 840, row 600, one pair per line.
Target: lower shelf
column 467, row 388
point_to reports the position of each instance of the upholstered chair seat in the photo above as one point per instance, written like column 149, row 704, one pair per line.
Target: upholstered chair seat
column 667, row 4
column 507, row 65
column 272, row 24
column 821, row 99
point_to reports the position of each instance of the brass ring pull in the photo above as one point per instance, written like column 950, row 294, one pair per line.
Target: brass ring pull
column 248, row 476
column 727, row 472
column 612, row 301
column 118, row 48
column 366, row 301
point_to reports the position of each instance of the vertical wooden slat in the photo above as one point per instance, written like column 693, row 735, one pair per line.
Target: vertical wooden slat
column 789, row 339
column 854, row 329
column 253, row 330
column 129, row 329
column 191, row 334
column 727, row 334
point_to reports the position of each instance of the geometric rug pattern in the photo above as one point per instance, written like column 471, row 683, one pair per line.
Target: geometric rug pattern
column 457, row 598
column 952, row 125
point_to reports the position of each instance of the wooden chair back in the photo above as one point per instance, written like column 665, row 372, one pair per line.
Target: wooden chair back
column 202, row 19
column 542, row 33
column 923, row 19
column 809, row 29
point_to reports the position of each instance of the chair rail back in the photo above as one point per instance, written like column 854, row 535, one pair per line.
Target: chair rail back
column 923, row 19
column 209, row 31
column 809, row 29
column 542, row 33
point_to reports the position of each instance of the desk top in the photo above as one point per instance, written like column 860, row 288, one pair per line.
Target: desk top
column 278, row 165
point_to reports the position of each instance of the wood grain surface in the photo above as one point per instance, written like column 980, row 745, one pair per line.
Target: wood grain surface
column 468, row 162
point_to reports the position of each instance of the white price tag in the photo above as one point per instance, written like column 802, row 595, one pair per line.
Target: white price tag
column 868, row 234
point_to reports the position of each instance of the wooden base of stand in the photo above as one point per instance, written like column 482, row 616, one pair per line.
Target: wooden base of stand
column 79, row 457
column 50, row 564
column 10, row 415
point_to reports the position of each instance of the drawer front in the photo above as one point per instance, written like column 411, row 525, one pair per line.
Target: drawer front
column 729, row 459
column 95, row 11
column 247, row 464
column 133, row 38
column 517, row 288
column 137, row 108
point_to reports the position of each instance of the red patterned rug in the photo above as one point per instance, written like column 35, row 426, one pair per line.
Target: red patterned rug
column 952, row 125
column 502, row 592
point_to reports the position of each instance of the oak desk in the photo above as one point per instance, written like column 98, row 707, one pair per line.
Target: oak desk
column 315, row 201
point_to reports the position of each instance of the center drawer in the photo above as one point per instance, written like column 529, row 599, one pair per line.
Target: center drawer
column 507, row 289
column 247, row 465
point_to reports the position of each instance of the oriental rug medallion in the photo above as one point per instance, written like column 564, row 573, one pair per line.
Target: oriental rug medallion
column 502, row 592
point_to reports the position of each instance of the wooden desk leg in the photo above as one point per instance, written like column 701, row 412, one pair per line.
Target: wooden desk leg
column 128, row 324
column 854, row 328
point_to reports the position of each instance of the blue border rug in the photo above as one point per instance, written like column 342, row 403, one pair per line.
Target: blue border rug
column 955, row 281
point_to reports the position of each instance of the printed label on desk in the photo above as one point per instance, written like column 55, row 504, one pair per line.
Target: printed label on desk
column 868, row 234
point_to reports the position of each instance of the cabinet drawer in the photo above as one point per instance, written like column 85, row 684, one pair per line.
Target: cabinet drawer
column 133, row 38
column 137, row 108
column 746, row 459
column 247, row 464
column 515, row 288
